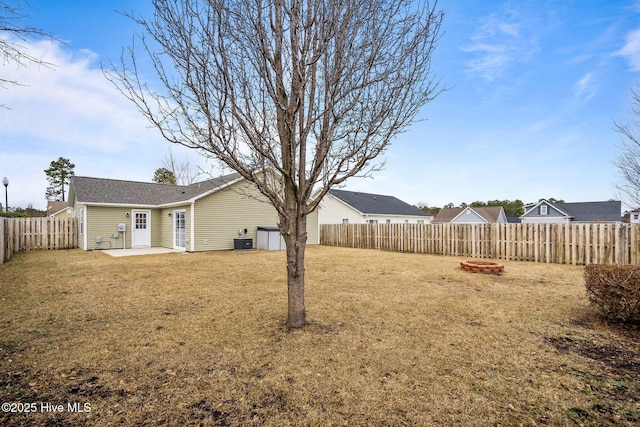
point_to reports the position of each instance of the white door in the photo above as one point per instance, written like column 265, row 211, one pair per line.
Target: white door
column 141, row 229
column 180, row 230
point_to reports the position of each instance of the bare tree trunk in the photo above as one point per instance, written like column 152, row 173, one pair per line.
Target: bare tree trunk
column 294, row 231
column 296, row 315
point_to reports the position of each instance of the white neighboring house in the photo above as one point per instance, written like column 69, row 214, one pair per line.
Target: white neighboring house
column 546, row 212
column 632, row 217
column 351, row 207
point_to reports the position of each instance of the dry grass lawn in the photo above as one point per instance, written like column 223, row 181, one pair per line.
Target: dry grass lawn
column 394, row 339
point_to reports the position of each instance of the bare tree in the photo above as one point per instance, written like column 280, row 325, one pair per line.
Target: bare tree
column 12, row 36
column 182, row 171
column 628, row 161
column 297, row 96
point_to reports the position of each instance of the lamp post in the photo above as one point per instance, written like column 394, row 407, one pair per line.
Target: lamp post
column 5, row 182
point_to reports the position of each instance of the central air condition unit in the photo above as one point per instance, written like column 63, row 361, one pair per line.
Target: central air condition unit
column 242, row 243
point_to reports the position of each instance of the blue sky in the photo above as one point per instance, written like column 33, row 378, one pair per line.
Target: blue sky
column 534, row 90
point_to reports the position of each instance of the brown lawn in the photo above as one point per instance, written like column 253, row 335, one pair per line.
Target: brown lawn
column 394, row 339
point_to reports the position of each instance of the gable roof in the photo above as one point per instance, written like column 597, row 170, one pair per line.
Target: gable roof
column 89, row 190
column 54, row 207
column 609, row 211
column 491, row 214
column 447, row 214
column 376, row 204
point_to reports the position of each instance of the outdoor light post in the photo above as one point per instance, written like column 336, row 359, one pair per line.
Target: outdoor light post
column 5, row 182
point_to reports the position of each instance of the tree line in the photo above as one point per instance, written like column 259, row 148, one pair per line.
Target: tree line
column 513, row 208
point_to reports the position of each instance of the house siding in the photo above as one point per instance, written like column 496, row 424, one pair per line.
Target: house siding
column 553, row 216
column 102, row 221
column 167, row 225
column 333, row 211
column 396, row 219
column 222, row 214
column 78, row 214
column 468, row 216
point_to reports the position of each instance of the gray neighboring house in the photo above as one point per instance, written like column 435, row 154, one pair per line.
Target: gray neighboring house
column 354, row 207
column 203, row 216
column 546, row 212
column 471, row 215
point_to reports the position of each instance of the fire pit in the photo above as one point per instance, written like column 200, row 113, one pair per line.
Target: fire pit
column 482, row 267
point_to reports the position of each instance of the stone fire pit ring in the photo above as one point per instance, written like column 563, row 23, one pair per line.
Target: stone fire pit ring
column 486, row 267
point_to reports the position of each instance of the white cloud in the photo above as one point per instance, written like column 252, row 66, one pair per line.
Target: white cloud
column 73, row 111
column 497, row 44
column 72, row 104
column 584, row 89
column 631, row 50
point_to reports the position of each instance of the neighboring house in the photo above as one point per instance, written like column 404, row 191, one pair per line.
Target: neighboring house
column 203, row 216
column 562, row 213
column 57, row 209
column 351, row 207
column 632, row 217
column 471, row 215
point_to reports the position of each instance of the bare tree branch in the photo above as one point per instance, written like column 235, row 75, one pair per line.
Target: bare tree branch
column 14, row 37
column 628, row 161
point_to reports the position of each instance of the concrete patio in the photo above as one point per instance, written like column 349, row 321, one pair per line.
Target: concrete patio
column 139, row 251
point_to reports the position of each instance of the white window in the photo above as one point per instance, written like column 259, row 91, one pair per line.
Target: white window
column 406, row 221
column 635, row 216
column 345, row 220
column 82, row 221
column 372, row 221
column 388, row 221
column 421, row 221
column 544, row 210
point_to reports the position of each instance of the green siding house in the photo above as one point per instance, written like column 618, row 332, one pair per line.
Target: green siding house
column 204, row 216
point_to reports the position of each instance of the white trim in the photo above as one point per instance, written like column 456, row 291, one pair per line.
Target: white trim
column 467, row 209
column 83, row 213
column 192, row 226
column 173, row 221
column 165, row 205
column 548, row 205
column 56, row 213
column 346, row 204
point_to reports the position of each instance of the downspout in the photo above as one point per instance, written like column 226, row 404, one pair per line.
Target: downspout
column 192, row 227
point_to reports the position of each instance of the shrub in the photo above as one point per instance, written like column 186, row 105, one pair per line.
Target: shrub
column 615, row 290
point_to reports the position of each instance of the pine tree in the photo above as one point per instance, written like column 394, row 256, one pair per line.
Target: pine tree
column 59, row 174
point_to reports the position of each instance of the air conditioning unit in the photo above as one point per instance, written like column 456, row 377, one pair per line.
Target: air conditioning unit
column 242, row 243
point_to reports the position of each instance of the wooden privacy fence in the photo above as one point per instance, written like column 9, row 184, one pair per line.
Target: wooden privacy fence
column 601, row 243
column 25, row 234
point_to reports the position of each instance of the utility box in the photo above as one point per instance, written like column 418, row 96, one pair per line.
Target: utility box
column 270, row 239
column 242, row 243
column 122, row 226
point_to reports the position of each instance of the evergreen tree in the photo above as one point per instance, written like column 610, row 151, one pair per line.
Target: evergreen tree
column 164, row 176
column 59, row 174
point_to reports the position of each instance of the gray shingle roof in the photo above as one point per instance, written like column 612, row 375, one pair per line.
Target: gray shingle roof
column 113, row 191
column 592, row 211
column 55, row 207
column 489, row 213
column 377, row 204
